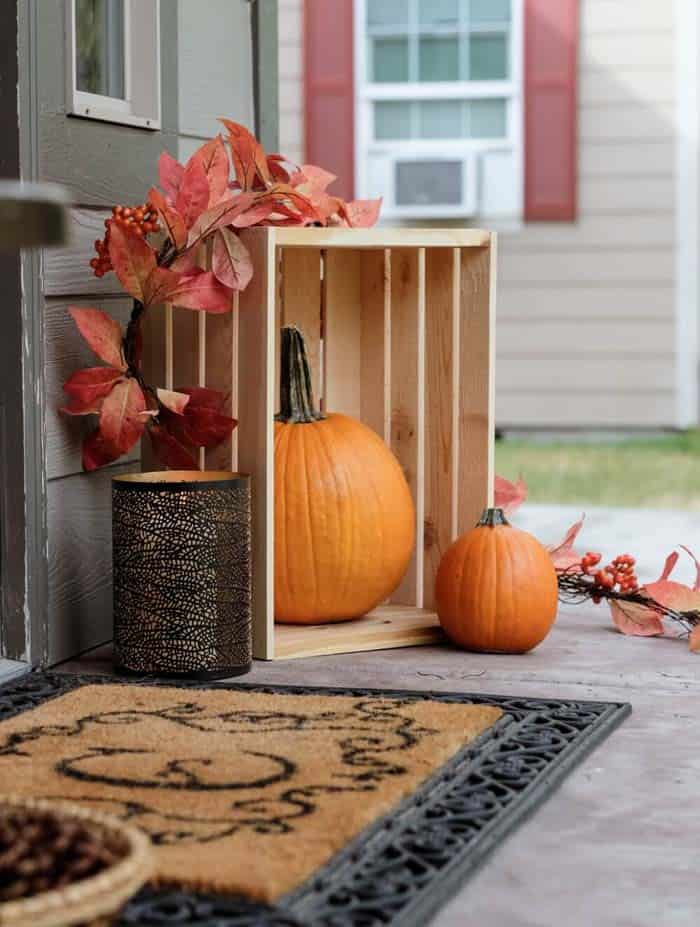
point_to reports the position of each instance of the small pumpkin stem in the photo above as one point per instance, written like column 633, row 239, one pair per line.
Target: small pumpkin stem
column 492, row 517
column 296, row 392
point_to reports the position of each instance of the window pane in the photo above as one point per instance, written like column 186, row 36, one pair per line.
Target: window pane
column 428, row 183
column 488, row 57
column 439, row 12
column 439, row 59
column 489, row 11
column 390, row 60
column 487, row 118
column 441, row 119
column 387, row 13
column 392, row 120
column 99, row 47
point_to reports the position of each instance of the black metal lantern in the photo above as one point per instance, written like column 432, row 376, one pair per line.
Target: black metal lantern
column 182, row 573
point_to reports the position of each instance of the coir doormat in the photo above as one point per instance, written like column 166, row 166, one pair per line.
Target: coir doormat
column 316, row 806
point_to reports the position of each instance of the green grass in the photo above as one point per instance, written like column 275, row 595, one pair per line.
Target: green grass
column 661, row 472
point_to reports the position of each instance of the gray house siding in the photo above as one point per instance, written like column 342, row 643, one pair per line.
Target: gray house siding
column 206, row 71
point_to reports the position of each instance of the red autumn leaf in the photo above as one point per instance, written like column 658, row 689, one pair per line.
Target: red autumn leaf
column 88, row 386
column 102, row 333
column 223, row 213
column 509, row 496
column 133, row 260
column 316, row 177
column 675, row 595
column 563, row 555
column 202, row 424
column 193, row 195
column 247, row 155
column 173, row 400
column 196, row 290
column 170, row 173
column 231, row 263
column 362, row 214
column 97, row 452
column 82, row 407
column 647, row 620
column 636, row 620
column 169, row 450
column 120, row 419
column 172, row 221
column 213, row 158
column 204, row 397
column 275, row 164
column 286, row 200
column 694, row 641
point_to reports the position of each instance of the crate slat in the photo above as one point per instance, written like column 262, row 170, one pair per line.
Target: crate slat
column 301, row 303
column 375, row 342
column 256, row 338
column 342, row 331
column 442, row 403
column 408, row 396
column 381, row 238
column 476, row 387
column 221, row 373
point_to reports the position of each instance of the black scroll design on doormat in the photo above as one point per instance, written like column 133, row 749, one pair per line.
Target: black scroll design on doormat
column 403, row 867
column 368, row 739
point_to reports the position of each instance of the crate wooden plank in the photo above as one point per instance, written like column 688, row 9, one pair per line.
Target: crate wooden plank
column 221, row 373
column 375, row 342
column 383, row 628
column 407, row 396
column 442, row 403
column 476, row 386
column 256, row 338
column 381, row 238
column 301, row 303
column 342, row 283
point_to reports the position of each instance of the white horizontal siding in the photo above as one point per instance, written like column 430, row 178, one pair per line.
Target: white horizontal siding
column 628, row 158
column 586, row 310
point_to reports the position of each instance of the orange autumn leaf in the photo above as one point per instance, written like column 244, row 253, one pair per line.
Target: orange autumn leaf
column 213, row 158
column 133, row 260
column 563, row 555
column 247, row 154
column 102, row 333
column 509, row 496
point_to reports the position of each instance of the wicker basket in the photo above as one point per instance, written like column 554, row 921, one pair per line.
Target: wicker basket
column 92, row 902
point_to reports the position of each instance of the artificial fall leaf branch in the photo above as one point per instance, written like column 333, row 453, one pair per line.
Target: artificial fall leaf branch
column 154, row 249
column 636, row 610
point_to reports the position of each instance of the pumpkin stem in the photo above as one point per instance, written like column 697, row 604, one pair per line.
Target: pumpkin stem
column 296, row 393
column 492, row 517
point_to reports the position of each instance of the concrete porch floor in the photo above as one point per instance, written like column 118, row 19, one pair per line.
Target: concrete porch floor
column 617, row 845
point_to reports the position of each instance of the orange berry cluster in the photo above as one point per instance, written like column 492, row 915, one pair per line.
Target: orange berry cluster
column 138, row 220
column 617, row 575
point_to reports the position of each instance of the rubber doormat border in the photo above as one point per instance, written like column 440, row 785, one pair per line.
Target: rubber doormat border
column 405, row 866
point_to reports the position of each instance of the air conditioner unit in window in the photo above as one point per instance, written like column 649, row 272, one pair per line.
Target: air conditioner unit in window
column 427, row 186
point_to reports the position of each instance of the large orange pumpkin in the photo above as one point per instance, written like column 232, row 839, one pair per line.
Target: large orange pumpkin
column 344, row 517
column 496, row 588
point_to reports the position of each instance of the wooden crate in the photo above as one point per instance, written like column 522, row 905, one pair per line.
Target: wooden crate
column 407, row 347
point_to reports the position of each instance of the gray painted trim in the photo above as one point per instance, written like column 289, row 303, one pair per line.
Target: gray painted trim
column 36, row 613
column 265, row 72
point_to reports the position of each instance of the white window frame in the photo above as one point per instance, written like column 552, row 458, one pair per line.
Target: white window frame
column 366, row 93
column 141, row 106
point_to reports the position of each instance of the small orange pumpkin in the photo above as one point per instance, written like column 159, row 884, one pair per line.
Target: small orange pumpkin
column 496, row 588
column 344, row 516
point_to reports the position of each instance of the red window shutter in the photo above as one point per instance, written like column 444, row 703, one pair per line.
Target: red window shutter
column 329, row 90
column 551, row 44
